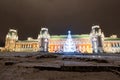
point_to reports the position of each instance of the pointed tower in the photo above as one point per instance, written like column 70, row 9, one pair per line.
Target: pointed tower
column 97, row 38
column 43, row 38
column 11, row 39
column 69, row 45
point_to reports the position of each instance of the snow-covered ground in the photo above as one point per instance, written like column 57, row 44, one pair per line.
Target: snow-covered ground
column 43, row 66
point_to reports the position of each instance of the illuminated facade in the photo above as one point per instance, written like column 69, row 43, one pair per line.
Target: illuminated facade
column 112, row 44
column 95, row 42
column 82, row 43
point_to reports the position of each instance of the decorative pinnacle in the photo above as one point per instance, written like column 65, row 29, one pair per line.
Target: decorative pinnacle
column 69, row 32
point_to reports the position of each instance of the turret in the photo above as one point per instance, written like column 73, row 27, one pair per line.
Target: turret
column 97, row 38
column 11, row 39
column 43, row 38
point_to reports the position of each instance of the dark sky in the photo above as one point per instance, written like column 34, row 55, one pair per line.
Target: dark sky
column 27, row 16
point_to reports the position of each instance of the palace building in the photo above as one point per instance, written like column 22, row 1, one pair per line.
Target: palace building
column 94, row 42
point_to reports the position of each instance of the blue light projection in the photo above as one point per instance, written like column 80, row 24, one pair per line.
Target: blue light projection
column 69, row 45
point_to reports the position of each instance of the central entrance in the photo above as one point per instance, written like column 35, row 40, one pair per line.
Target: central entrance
column 69, row 45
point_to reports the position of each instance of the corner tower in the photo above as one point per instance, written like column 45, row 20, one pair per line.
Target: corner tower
column 11, row 39
column 43, row 38
column 97, row 38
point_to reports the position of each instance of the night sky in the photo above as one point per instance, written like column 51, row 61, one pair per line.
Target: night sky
column 28, row 16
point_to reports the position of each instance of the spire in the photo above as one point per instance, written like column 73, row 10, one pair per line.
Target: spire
column 69, row 34
column 69, row 45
